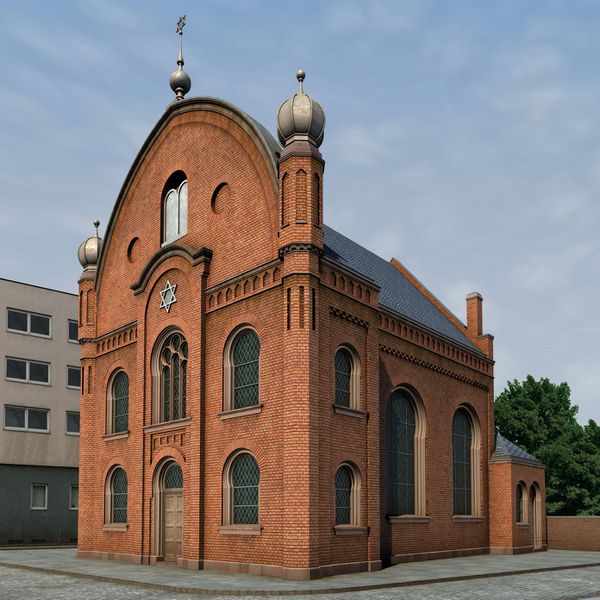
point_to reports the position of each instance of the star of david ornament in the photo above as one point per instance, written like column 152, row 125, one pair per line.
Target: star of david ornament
column 167, row 296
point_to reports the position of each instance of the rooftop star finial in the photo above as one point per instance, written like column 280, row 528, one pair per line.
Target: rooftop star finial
column 180, row 81
column 180, row 25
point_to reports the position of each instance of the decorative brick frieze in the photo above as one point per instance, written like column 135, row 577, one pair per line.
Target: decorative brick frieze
column 427, row 339
column 432, row 367
column 342, row 314
column 118, row 338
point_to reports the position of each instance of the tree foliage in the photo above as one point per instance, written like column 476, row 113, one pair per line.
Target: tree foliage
column 539, row 417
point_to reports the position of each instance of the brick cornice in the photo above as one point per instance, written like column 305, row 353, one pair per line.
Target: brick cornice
column 342, row 314
column 300, row 247
column 436, row 368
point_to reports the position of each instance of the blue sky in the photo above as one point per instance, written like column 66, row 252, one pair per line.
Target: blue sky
column 463, row 138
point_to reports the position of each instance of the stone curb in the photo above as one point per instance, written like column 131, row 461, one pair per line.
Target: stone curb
column 305, row 592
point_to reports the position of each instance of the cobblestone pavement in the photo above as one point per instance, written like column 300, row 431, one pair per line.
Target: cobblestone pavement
column 20, row 584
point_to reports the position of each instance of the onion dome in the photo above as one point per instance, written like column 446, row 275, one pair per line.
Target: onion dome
column 301, row 118
column 89, row 250
column 179, row 80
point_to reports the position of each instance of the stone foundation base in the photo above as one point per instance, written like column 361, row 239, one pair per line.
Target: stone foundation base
column 238, row 567
column 396, row 559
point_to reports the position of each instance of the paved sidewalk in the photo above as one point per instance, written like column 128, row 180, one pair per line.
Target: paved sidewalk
column 63, row 561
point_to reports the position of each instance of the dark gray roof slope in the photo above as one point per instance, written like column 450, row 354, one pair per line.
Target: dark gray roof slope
column 397, row 293
column 506, row 449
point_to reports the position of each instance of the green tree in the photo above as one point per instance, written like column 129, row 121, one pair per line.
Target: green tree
column 539, row 417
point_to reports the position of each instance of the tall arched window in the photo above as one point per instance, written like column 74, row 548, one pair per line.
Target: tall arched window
column 347, row 386
column 241, row 481
column 406, row 459
column 175, row 203
column 241, row 370
column 465, row 463
column 116, row 496
column 347, row 496
column 173, row 377
column 119, row 414
column 519, row 504
column 402, row 455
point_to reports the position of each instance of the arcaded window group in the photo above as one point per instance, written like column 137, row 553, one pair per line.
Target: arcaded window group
column 406, row 423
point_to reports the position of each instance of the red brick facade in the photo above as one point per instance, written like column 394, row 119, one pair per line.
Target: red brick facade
column 253, row 256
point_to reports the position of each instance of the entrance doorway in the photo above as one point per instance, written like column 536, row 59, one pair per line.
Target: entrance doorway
column 172, row 512
column 536, row 516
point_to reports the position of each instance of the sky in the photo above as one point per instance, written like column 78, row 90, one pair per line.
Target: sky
column 462, row 138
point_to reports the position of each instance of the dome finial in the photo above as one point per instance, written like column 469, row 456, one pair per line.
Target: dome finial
column 180, row 81
column 89, row 250
column 300, row 118
column 300, row 76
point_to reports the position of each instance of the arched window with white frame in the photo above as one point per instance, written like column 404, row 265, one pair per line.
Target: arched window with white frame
column 406, row 454
column 347, row 495
column 174, row 207
column 466, row 453
column 118, row 403
column 116, row 497
column 520, row 503
column 241, row 372
column 241, row 484
column 347, row 378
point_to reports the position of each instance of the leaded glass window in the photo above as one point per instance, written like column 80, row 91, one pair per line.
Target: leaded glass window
column 120, row 395
column 343, row 495
column 401, row 475
column 245, row 359
column 175, row 212
column 173, row 479
column 118, row 490
column 173, row 372
column 343, row 377
column 245, row 478
column 519, row 503
column 461, row 462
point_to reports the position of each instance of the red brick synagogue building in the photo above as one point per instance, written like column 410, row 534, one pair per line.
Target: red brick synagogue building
column 260, row 393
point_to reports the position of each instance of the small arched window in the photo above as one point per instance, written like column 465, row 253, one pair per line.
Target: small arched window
column 116, row 496
column 347, row 388
column 175, row 204
column 347, row 496
column 119, row 419
column 173, row 377
column 465, row 463
column 241, row 481
column 241, row 370
column 519, row 504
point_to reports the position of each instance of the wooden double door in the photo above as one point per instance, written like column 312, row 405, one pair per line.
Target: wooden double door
column 172, row 525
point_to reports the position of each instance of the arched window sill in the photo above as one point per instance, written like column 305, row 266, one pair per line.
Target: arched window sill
column 412, row 519
column 240, row 529
column 349, row 412
column 168, row 425
column 120, row 435
column 523, row 525
column 468, row 519
column 241, row 412
column 350, row 530
column 115, row 526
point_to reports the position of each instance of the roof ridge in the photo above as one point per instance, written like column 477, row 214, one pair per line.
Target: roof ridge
column 430, row 296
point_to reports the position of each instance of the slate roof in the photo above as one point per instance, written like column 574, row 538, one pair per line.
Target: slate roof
column 506, row 449
column 397, row 293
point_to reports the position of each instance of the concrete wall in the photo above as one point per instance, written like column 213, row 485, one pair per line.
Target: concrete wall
column 19, row 523
column 55, row 448
column 574, row 533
